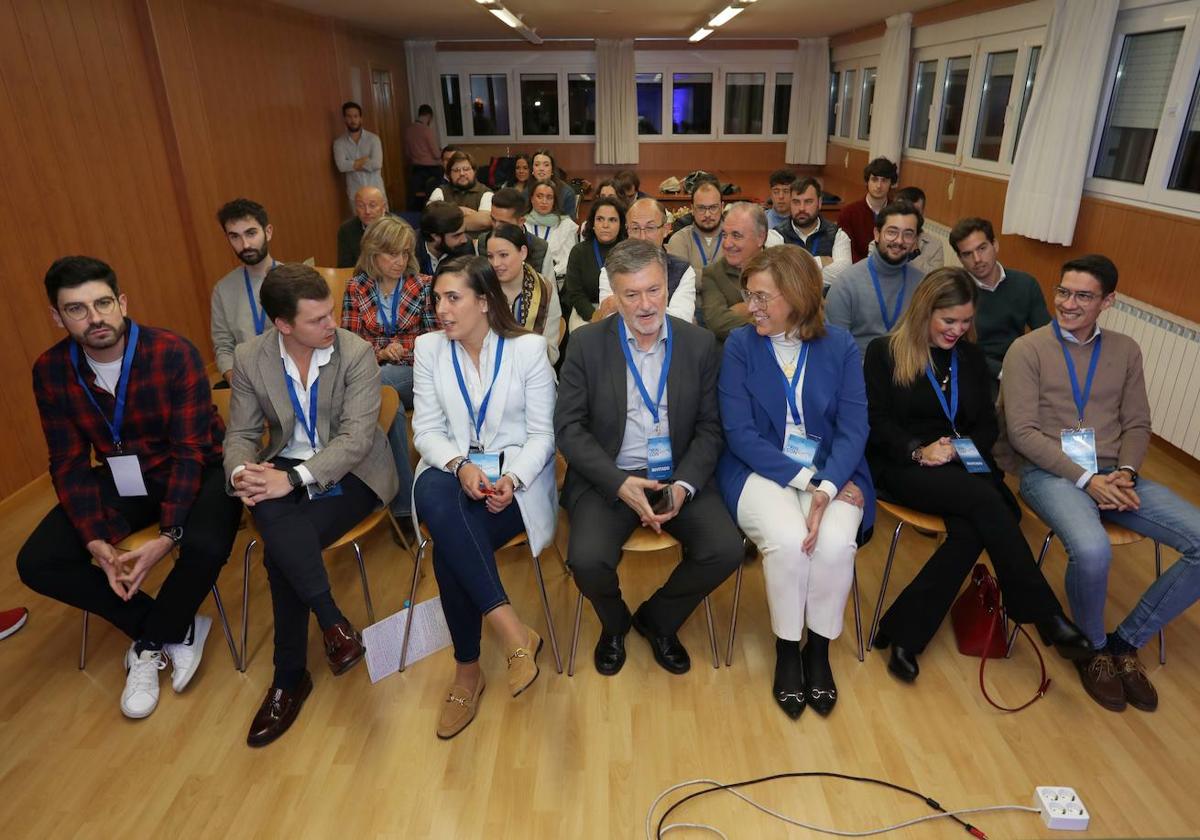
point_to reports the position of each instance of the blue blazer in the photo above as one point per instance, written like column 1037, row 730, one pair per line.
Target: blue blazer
column 754, row 415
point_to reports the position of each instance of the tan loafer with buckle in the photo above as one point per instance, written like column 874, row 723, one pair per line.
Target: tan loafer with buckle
column 459, row 709
column 522, row 663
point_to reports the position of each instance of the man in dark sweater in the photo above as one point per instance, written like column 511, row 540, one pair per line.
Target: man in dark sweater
column 369, row 204
column 858, row 218
column 1010, row 301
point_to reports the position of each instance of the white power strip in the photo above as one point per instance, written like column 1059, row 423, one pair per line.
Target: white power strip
column 1061, row 808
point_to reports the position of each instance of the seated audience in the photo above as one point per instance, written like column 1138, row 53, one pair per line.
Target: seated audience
column 420, row 147
column 136, row 399
column 793, row 474
column 608, row 188
column 700, row 242
column 646, row 457
column 522, row 170
column 236, row 316
column 858, row 217
column 545, row 169
column 442, row 180
column 813, row 232
column 324, row 467
column 443, row 234
column 930, row 448
column 870, row 296
column 927, row 254
column 533, row 298
column 547, row 222
column 509, row 206
column 463, row 190
column 628, row 186
column 369, row 204
column 484, row 427
column 1077, row 418
column 581, row 286
column 646, row 219
column 743, row 236
column 779, row 205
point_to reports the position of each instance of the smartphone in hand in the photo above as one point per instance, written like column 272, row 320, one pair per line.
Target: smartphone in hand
column 661, row 500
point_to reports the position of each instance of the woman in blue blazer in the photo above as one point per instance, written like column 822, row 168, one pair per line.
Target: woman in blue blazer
column 793, row 474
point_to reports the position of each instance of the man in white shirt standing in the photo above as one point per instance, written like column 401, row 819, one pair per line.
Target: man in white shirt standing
column 358, row 153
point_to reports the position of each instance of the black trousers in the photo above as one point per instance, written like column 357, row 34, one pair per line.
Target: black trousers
column 980, row 513
column 55, row 561
column 712, row 551
column 294, row 529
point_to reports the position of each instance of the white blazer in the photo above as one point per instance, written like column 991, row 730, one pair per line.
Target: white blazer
column 563, row 237
column 519, row 423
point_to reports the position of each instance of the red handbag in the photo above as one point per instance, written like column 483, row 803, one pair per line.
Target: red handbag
column 979, row 623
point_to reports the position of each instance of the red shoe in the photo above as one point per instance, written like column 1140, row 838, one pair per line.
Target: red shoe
column 12, row 620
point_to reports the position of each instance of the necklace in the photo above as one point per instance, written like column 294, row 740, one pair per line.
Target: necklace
column 943, row 379
column 789, row 367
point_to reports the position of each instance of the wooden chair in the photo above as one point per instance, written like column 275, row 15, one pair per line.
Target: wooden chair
column 337, row 278
column 904, row 516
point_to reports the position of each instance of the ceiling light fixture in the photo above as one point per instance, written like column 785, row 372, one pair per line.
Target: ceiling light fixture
column 700, row 34
column 511, row 20
column 724, row 16
column 508, row 18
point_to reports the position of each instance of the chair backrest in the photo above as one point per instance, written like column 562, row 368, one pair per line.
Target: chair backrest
column 337, row 278
column 389, row 405
column 220, row 398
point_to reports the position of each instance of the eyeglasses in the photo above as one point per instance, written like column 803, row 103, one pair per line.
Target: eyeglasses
column 79, row 311
column 640, row 229
column 1083, row 297
column 758, row 300
column 707, row 209
column 892, row 234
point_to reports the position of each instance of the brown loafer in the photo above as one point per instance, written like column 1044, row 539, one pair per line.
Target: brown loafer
column 277, row 712
column 522, row 663
column 459, row 709
column 1101, row 681
column 1139, row 691
column 343, row 647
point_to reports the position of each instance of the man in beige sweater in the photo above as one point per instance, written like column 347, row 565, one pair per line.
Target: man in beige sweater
column 1073, row 402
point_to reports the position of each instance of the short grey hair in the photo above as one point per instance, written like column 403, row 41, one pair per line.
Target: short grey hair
column 756, row 213
column 629, row 256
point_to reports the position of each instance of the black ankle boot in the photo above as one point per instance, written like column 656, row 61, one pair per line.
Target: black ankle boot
column 822, row 690
column 789, row 678
column 903, row 664
column 1068, row 640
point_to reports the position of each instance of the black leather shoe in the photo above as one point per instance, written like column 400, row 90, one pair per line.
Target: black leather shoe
column 610, row 654
column 1067, row 639
column 277, row 712
column 820, row 690
column 669, row 652
column 788, row 689
column 903, row 664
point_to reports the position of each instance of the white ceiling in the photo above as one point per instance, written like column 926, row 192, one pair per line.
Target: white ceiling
column 458, row 19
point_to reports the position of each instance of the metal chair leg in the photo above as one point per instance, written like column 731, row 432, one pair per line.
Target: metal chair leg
column 412, row 603
column 537, row 568
column 233, row 651
column 83, row 643
column 362, row 573
column 1012, row 636
column 575, row 635
column 737, row 597
column 246, row 604
column 712, row 633
column 887, row 571
column 857, row 614
column 1162, row 632
column 399, row 532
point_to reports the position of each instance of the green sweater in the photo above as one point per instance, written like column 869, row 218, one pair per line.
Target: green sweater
column 581, row 284
column 1004, row 313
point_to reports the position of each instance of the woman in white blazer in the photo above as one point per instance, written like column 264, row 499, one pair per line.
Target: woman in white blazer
column 483, row 394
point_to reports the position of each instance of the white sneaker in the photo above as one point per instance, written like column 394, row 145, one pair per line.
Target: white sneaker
column 185, row 656
column 140, row 696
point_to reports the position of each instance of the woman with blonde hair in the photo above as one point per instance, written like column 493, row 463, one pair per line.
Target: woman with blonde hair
column 793, row 473
column 933, row 426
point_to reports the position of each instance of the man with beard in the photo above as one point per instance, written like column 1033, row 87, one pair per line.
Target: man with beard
column 814, row 233
column 369, row 204
column 700, row 242
column 870, row 295
column 236, row 315
column 358, row 153
column 858, row 217
column 134, row 398
column 443, row 234
column 467, row 193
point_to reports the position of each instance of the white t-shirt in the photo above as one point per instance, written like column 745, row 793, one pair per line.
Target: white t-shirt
column 108, row 374
column 485, row 201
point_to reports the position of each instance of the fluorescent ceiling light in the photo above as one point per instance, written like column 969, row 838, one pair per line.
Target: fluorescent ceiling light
column 700, row 34
column 508, row 17
column 725, row 15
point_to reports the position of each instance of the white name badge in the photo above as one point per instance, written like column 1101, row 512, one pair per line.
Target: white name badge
column 798, row 446
column 969, row 455
column 489, row 462
column 1080, row 446
column 658, row 458
column 127, row 475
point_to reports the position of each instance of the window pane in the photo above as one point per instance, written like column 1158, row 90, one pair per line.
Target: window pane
column 834, row 89
column 954, row 96
column 918, row 129
column 649, row 103
column 783, row 103
column 581, row 103
column 691, row 103
column 744, row 102
column 997, row 87
column 1026, row 94
column 1186, row 173
column 489, row 104
column 1139, row 94
column 451, row 106
column 539, row 103
column 865, row 104
column 847, row 102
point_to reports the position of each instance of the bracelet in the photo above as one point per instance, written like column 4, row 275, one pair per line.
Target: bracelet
column 459, row 465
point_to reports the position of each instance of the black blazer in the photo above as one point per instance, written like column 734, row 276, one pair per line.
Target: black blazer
column 589, row 417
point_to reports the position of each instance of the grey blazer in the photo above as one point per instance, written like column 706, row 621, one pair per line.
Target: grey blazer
column 347, row 413
column 589, row 417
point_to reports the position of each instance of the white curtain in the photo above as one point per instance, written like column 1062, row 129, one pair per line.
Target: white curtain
column 808, row 118
column 891, row 90
column 420, row 57
column 616, row 102
column 1051, row 163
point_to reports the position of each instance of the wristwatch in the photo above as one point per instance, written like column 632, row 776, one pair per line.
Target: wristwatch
column 175, row 534
column 916, row 455
column 294, row 478
column 1133, row 475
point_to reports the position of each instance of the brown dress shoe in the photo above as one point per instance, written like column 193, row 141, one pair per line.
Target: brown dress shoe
column 277, row 712
column 1139, row 691
column 1101, row 681
column 522, row 663
column 343, row 647
column 459, row 708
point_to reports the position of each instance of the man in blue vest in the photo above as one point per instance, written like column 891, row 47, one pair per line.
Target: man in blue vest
column 814, row 233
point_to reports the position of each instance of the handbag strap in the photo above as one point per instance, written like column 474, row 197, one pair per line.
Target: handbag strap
column 1043, row 686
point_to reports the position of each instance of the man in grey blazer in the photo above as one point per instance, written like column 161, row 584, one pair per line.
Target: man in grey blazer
column 615, row 426
column 236, row 315
column 324, row 467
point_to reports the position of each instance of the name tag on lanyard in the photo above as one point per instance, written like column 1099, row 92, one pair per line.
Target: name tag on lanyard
column 489, row 462
column 659, row 463
column 1080, row 446
column 801, row 448
column 797, row 443
column 1079, row 443
column 969, row 455
column 966, row 450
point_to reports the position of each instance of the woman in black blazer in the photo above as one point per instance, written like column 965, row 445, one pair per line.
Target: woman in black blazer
column 604, row 228
column 929, row 400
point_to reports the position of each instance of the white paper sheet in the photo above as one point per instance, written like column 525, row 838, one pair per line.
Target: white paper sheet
column 385, row 639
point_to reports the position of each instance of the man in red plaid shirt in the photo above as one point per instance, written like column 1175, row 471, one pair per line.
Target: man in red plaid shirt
column 137, row 399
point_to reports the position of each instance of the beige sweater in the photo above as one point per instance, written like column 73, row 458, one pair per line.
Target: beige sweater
column 1036, row 403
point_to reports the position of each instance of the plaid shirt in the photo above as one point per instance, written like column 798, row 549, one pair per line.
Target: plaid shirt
column 414, row 313
column 169, row 424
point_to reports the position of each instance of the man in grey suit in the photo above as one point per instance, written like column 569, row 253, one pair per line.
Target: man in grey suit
column 643, row 452
column 325, row 466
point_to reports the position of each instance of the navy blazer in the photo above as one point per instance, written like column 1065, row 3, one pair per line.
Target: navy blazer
column 754, row 415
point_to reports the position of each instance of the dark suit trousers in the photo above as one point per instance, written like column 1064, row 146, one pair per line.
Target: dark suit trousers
column 294, row 529
column 55, row 562
column 712, row 551
column 979, row 515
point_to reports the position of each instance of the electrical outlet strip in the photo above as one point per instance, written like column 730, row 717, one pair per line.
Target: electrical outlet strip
column 1061, row 808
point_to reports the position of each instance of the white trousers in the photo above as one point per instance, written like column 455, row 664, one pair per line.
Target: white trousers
column 802, row 589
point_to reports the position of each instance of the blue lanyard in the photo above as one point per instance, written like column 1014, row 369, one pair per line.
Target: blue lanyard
column 537, row 232
column 309, row 426
column 259, row 315
column 951, row 410
column 114, row 427
column 704, row 256
column 388, row 328
column 888, row 323
column 1080, row 398
column 477, row 422
column 596, row 251
column 637, row 377
column 791, row 384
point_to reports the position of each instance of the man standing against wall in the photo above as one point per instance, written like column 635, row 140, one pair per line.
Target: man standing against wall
column 358, row 153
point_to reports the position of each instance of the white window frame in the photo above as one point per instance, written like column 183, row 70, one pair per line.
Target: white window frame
column 1154, row 191
column 942, row 54
column 858, row 65
column 768, row 115
column 1023, row 43
column 833, row 136
column 862, row 102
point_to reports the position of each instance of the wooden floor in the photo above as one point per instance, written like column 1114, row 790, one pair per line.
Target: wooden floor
column 581, row 757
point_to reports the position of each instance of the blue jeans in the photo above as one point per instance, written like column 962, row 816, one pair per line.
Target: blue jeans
column 1076, row 520
column 400, row 377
